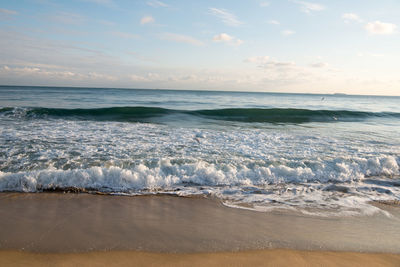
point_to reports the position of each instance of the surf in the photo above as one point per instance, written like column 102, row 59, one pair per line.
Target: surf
column 247, row 115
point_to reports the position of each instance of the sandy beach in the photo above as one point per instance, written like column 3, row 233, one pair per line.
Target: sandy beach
column 199, row 133
column 67, row 229
column 273, row 257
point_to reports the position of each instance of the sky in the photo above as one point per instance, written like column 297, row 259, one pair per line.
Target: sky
column 321, row 46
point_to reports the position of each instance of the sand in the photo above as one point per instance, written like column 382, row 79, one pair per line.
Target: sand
column 275, row 257
column 67, row 229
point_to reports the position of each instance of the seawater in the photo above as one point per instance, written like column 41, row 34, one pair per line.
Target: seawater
column 325, row 155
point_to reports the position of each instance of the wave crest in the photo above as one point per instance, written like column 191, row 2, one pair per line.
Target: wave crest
column 145, row 114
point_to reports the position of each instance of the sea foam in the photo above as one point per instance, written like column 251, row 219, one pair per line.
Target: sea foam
column 337, row 170
column 339, row 186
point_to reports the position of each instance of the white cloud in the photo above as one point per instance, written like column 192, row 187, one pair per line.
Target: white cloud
column 308, row 7
column 226, row 38
column 180, row 38
column 274, row 22
column 138, row 78
column 238, row 42
column 351, row 17
column 287, row 32
column 155, row 3
column 281, row 73
column 148, row 77
column 54, row 54
column 54, row 74
column 8, row 11
column 267, row 63
column 223, row 37
column 265, row 4
column 278, row 64
column 319, row 65
column 226, row 17
column 147, row 19
column 378, row 27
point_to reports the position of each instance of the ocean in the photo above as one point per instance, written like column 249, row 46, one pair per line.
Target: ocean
column 322, row 155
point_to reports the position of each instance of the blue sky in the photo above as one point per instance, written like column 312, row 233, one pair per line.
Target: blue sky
column 347, row 46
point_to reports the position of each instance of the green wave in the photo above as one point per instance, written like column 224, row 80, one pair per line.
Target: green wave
column 249, row 115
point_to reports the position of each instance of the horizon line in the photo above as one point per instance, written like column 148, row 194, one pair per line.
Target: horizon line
column 196, row 90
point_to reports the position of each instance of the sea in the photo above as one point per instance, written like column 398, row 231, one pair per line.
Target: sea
column 316, row 154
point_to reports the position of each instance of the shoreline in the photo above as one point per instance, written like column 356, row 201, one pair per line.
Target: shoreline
column 71, row 229
column 77, row 223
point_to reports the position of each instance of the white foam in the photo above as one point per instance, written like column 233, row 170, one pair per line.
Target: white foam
column 260, row 188
column 260, row 169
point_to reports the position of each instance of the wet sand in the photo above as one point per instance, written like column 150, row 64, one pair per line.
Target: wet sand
column 48, row 227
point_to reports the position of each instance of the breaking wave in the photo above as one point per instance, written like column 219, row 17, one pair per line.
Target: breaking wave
column 248, row 115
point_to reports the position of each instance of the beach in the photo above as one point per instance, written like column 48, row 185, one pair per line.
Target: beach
column 248, row 258
column 69, row 228
column 180, row 178
column 199, row 133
